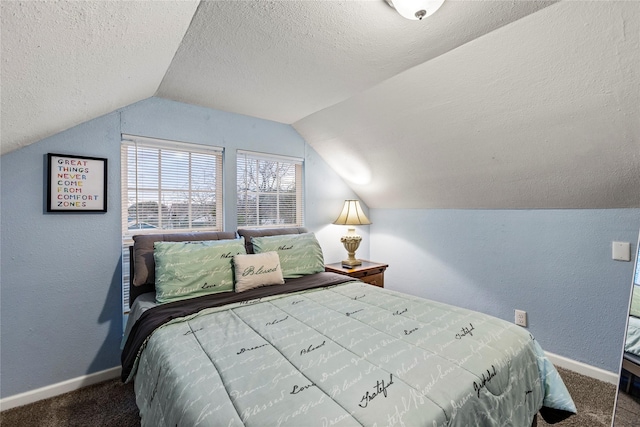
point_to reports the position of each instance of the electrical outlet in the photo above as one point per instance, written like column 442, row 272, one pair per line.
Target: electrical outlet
column 521, row 318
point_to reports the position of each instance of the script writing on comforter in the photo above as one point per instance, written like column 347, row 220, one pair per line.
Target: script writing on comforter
column 350, row 354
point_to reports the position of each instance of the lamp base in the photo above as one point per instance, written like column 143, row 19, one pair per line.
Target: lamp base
column 351, row 242
column 350, row 263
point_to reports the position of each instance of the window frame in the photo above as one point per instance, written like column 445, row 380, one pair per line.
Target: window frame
column 167, row 145
column 298, row 164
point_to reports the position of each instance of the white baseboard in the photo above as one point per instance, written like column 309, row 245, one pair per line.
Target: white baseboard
column 583, row 368
column 59, row 388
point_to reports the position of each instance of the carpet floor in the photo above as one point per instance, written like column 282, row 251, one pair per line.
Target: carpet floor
column 112, row 404
column 108, row 404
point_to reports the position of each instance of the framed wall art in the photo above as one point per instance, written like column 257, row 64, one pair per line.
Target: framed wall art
column 76, row 183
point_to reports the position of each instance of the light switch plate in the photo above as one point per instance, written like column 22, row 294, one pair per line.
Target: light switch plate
column 621, row 251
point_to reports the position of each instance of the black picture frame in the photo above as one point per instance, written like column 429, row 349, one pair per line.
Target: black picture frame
column 76, row 183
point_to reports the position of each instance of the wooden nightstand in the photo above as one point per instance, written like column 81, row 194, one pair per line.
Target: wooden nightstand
column 369, row 272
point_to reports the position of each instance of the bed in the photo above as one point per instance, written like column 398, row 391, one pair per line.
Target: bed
column 632, row 341
column 631, row 356
column 301, row 346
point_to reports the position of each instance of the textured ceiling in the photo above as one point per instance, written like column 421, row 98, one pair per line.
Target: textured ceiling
column 66, row 62
column 485, row 104
column 542, row 113
column 285, row 60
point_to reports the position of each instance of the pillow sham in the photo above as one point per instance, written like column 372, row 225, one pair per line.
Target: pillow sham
column 190, row 269
column 144, row 267
column 254, row 271
column 300, row 254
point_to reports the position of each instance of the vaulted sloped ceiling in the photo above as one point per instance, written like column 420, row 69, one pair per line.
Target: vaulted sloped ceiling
column 66, row 62
column 285, row 60
column 485, row 104
column 542, row 113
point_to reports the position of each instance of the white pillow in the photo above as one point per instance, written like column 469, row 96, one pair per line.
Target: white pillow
column 256, row 270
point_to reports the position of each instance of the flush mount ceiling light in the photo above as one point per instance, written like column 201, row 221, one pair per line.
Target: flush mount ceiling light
column 415, row 9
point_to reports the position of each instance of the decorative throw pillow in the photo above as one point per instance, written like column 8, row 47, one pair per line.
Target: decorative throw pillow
column 191, row 269
column 254, row 271
column 300, row 254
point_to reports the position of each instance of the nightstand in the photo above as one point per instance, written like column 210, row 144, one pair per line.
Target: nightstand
column 369, row 272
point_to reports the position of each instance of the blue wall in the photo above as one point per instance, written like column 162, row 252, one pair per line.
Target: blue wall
column 554, row 264
column 60, row 307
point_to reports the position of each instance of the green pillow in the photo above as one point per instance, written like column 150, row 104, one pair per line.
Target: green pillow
column 191, row 269
column 635, row 301
column 300, row 254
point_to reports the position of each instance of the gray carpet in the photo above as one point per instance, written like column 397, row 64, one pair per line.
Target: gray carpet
column 108, row 404
column 627, row 411
column 594, row 400
column 113, row 404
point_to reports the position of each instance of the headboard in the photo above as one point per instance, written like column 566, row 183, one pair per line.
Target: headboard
column 248, row 233
column 142, row 264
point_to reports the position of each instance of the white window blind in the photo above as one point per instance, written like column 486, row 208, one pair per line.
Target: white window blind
column 269, row 190
column 167, row 185
column 170, row 185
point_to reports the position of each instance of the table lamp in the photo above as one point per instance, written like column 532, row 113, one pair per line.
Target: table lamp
column 351, row 214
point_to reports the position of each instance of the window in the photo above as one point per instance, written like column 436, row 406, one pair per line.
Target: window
column 170, row 185
column 269, row 190
column 167, row 185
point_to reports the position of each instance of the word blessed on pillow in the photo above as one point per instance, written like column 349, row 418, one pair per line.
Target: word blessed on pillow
column 252, row 271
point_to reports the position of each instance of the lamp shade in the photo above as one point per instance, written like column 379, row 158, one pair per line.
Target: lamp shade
column 416, row 9
column 352, row 214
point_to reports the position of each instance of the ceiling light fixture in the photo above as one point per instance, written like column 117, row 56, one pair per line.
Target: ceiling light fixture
column 415, row 9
